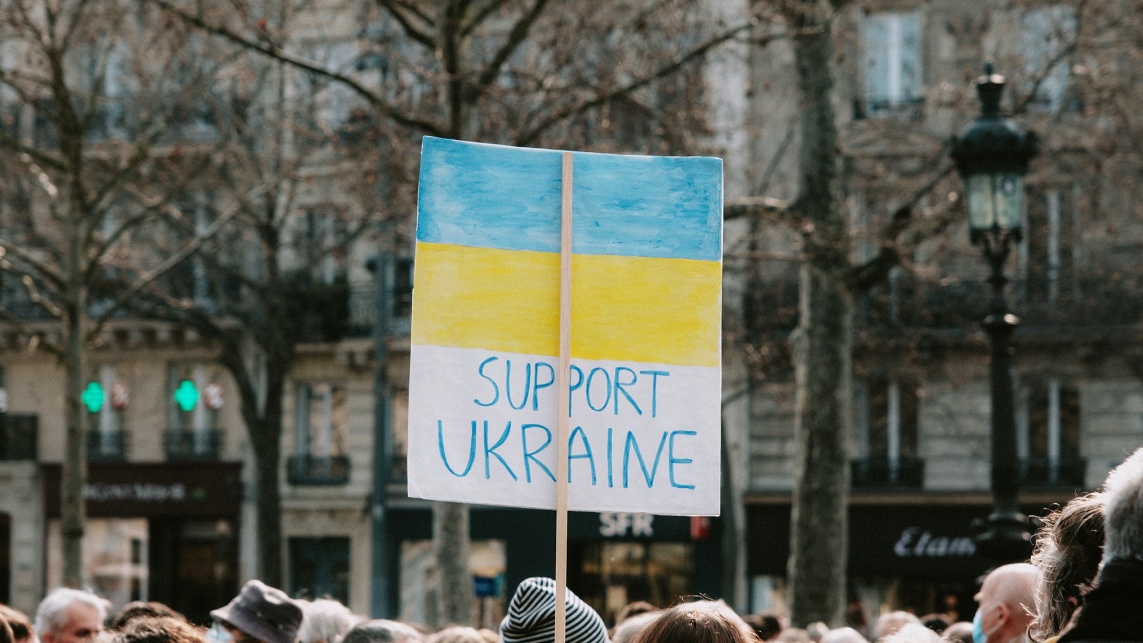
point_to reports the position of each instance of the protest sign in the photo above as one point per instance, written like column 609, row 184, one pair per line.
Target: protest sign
column 645, row 323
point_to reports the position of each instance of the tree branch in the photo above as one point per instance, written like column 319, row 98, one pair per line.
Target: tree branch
column 560, row 115
column 394, row 7
column 515, row 38
column 272, row 51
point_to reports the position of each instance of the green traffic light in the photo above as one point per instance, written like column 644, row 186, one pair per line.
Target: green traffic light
column 186, row 395
column 93, row 397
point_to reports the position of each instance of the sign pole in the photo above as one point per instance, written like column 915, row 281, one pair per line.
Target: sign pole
column 564, row 399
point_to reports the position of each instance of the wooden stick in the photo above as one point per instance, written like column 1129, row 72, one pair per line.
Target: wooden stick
column 564, row 400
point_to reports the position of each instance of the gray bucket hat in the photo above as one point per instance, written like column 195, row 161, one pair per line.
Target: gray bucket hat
column 263, row 612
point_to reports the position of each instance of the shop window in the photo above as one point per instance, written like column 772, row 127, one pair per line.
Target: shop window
column 322, row 426
column 194, row 399
column 885, row 418
column 106, row 398
column 1048, row 33
column 1048, row 434
column 610, row 574
column 892, row 62
column 319, row 568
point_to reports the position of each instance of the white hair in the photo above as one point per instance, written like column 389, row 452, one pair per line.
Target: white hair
column 1123, row 510
column 326, row 620
column 52, row 614
column 913, row 633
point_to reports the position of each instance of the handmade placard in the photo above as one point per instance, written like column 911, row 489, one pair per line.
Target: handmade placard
column 645, row 324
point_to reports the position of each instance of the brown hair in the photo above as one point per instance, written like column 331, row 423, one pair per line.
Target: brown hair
column 698, row 622
column 158, row 629
column 142, row 609
column 1069, row 548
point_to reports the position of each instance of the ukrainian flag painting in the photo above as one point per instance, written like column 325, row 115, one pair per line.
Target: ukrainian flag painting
column 645, row 330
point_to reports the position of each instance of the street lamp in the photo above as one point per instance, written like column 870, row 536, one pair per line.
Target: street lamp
column 992, row 157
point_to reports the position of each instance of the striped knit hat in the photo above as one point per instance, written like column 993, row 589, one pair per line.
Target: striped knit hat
column 531, row 616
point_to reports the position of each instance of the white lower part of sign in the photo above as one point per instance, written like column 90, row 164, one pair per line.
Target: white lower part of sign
column 642, row 437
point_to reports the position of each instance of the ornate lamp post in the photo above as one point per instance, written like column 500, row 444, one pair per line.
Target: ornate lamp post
column 992, row 157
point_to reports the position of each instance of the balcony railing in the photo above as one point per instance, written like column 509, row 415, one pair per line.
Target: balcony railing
column 193, row 444
column 107, row 445
column 19, row 436
column 313, row 470
column 886, row 473
column 1053, row 472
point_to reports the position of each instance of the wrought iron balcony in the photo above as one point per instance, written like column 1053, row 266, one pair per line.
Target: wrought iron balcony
column 107, row 445
column 886, row 473
column 1053, row 472
column 313, row 470
column 19, row 435
column 193, row 444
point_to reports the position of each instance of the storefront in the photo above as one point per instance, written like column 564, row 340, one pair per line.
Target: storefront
column 155, row 531
column 917, row 556
column 613, row 558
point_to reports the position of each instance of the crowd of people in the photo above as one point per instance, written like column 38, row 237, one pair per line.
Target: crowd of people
column 1083, row 583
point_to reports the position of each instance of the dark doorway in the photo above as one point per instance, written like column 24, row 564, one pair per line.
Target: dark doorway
column 193, row 565
column 319, row 568
column 610, row 574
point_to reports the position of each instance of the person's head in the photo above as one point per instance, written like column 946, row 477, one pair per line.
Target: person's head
column 381, row 630
column 766, row 625
column 325, row 621
column 959, row 632
column 843, row 635
column 817, row 631
column 1069, row 548
column 1005, row 598
column 158, row 629
column 698, row 622
column 142, row 609
column 70, row 616
column 634, row 609
column 936, row 622
column 1123, row 511
column 531, row 616
column 456, row 634
column 260, row 613
column 913, row 633
column 19, row 623
column 890, row 622
column 630, row 628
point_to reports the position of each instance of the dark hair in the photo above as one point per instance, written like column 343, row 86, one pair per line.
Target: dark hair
column 634, row 609
column 158, row 629
column 142, row 609
column 936, row 622
column 1069, row 548
column 765, row 625
column 18, row 621
column 698, row 622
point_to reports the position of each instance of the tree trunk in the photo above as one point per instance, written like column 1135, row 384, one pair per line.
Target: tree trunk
column 450, row 549
column 822, row 342
column 75, row 460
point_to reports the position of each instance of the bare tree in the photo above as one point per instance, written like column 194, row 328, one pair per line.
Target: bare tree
column 91, row 95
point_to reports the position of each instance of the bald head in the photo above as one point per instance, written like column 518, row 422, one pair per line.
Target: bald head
column 1006, row 600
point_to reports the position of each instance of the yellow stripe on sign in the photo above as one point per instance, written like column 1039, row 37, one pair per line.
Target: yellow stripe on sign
column 665, row 311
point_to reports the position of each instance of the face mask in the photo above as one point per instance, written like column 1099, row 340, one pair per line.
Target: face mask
column 978, row 635
column 218, row 634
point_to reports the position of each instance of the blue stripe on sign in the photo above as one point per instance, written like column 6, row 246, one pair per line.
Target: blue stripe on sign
column 476, row 194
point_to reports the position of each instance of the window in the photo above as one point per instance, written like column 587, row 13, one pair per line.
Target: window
column 1048, row 32
column 886, row 413
column 106, row 398
column 322, row 427
column 892, row 60
column 194, row 399
column 324, row 238
column 1048, row 433
column 319, row 568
